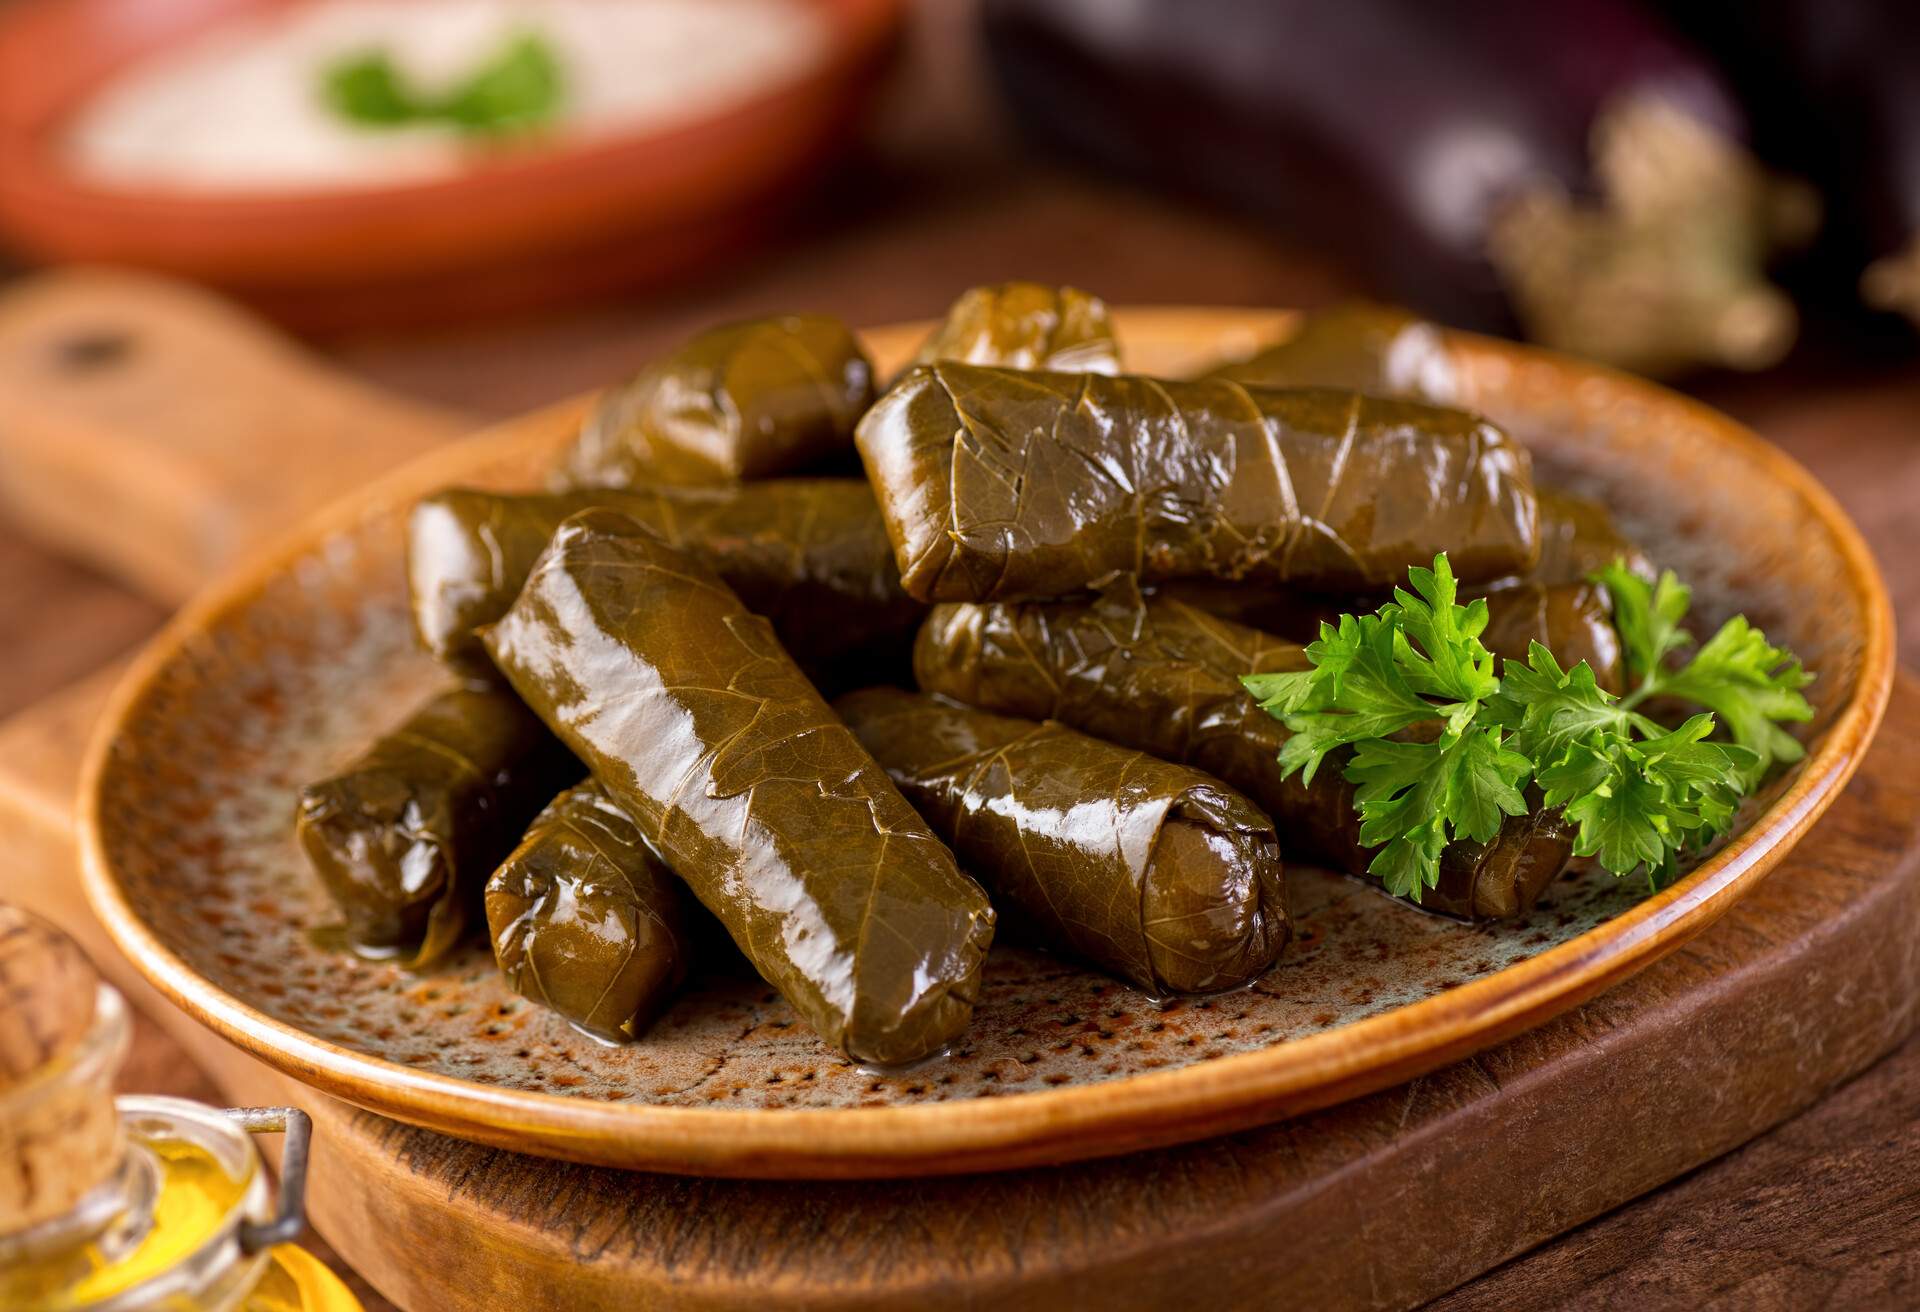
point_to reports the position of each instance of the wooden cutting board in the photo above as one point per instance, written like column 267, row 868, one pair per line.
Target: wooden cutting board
column 1383, row 1202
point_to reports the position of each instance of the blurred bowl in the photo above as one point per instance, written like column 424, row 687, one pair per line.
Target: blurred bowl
column 555, row 223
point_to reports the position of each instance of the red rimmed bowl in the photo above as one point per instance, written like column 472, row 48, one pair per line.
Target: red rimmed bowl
column 551, row 223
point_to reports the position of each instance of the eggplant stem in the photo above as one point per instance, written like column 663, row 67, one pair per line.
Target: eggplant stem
column 1666, row 270
column 1892, row 282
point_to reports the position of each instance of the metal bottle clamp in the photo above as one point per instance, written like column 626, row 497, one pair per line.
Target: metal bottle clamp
column 292, row 1218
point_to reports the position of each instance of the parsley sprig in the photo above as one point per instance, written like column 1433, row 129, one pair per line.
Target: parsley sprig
column 1444, row 748
column 519, row 87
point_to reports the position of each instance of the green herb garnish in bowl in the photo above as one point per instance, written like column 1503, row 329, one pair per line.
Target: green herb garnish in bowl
column 518, row 88
column 1444, row 748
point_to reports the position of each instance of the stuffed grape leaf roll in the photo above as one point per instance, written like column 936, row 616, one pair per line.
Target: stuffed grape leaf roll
column 1027, row 325
column 1147, row 869
column 809, row 554
column 586, row 920
column 1574, row 621
column 1378, row 349
column 1554, row 603
column 744, row 400
column 405, row 837
column 1162, row 676
column 998, row 484
column 699, row 725
column 1387, row 351
column 1578, row 538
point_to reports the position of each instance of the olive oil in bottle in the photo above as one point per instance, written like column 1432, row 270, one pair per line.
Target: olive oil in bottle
column 111, row 1205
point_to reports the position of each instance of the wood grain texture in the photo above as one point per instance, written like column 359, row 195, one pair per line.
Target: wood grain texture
column 1821, row 1213
column 59, row 619
column 40, row 754
column 157, row 432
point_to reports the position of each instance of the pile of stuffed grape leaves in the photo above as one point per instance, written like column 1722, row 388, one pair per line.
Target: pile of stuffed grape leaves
column 1375, row 349
column 746, row 400
column 1027, row 325
column 586, row 920
column 406, row 836
column 1161, row 676
column 811, row 554
column 699, row 725
column 1154, row 872
column 1126, row 650
column 1003, row 485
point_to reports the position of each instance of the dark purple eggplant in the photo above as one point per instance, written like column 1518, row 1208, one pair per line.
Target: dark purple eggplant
column 1572, row 168
column 1834, row 89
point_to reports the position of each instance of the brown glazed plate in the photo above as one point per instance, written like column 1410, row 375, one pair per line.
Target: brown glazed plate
column 282, row 673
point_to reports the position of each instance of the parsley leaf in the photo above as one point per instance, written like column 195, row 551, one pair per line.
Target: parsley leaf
column 1356, row 691
column 1415, row 797
column 1450, row 661
column 1624, row 818
column 1750, row 684
column 1548, row 708
column 1417, row 661
column 367, row 89
column 1439, row 747
column 1647, row 616
column 517, row 88
column 1487, row 781
column 1639, row 802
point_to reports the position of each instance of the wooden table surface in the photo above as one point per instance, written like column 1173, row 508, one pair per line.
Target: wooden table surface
column 1822, row 1212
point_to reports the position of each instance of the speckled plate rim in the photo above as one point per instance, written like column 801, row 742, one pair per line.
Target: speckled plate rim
column 1043, row 1127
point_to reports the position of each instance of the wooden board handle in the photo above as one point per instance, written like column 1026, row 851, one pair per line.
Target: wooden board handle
column 157, row 431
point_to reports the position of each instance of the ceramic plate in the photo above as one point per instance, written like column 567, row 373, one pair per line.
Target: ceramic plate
column 283, row 673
